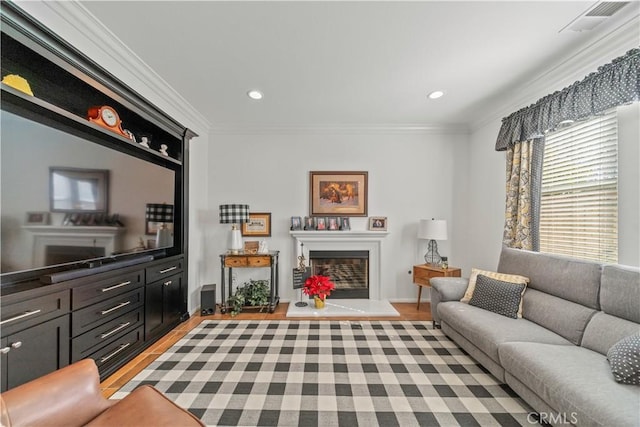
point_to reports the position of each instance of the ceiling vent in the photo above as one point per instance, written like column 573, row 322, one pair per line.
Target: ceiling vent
column 595, row 16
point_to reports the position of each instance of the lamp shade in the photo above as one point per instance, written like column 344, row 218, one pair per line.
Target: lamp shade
column 234, row 214
column 159, row 212
column 432, row 229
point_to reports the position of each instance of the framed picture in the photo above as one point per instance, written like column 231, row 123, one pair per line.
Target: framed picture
column 259, row 225
column 153, row 227
column 378, row 223
column 334, row 223
column 345, row 224
column 309, row 223
column 296, row 223
column 251, row 246
column 321, row 223
column 37, row 218
column 338, row 193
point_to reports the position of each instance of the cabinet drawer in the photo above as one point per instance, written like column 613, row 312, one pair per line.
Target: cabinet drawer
column 420, row 275
column 87, row 343
column 86, row 319
column 85, row 295
column 236, row 261
column 165, row 269
column 258, row 261
column 24, row 314
column 114, row 351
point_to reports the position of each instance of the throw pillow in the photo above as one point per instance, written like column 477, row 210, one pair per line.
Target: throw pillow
column 513, row 278
column 624, row 359
column 498, row 296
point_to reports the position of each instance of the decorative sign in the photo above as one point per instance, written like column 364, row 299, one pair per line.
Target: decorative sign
column 300, row 276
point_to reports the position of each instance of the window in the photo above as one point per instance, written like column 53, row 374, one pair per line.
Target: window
column 579, row 193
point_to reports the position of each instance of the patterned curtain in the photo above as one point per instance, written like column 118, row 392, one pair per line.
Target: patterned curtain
column 522, row 213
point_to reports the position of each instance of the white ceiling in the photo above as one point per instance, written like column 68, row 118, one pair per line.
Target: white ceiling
column 348, row 63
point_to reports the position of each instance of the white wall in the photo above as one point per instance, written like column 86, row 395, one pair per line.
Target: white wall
column 629, row 184
column 411, row 176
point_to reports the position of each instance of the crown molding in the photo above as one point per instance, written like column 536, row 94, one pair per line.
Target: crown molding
column 353, row 129
column 562, row 74
column 72, row 21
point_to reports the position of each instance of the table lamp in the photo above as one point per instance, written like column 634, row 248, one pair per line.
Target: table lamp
column 432, row 230
column 161, row 213
column 234, row 214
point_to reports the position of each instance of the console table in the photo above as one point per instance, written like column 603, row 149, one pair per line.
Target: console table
column 230, row 261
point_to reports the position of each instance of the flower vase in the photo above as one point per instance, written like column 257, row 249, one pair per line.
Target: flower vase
column 319, row 302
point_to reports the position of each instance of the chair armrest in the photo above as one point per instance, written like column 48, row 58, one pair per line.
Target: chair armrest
column 70, row 396
column 449, row 288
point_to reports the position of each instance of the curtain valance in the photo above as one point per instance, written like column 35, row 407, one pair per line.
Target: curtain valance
column 614, row 84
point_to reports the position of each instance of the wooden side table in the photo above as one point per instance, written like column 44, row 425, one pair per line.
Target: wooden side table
column 230, row 261
column 423, row 273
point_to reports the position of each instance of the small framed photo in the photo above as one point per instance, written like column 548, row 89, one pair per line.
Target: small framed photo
column 345, row 223
column 309, row 223
column 334, row 223
column 37, row 218
column 259, row 225
column 378, row 223
column 321, row 223
column 296, row 223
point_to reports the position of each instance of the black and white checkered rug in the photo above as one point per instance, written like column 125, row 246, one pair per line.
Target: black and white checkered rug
column 328, row 373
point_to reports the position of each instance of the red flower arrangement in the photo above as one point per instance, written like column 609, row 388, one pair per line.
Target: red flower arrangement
column 318, row 286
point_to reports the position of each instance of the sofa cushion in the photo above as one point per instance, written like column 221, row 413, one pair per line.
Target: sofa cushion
column 572, row 379
column 604, row 330
column 563, row 317
column 487, row 330
column 624, row 358
column 498, row 296
column 568, row 278
column 620, row 292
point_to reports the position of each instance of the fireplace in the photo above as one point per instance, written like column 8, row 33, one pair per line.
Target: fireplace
column 57, row 254
column 370, row 242
column 349, row 270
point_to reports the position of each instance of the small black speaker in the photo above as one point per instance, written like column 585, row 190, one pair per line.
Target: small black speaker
column 208, row 300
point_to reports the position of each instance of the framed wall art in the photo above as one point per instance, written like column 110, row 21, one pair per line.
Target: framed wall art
column 259, row 225
column 338, row 193
column 37, row 218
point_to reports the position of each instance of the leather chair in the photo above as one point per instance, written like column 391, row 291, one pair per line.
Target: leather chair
column 71, row 396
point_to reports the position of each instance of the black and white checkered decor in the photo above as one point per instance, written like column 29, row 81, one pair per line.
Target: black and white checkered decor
column 328, row 373
column 234, row 214
column 159, row 212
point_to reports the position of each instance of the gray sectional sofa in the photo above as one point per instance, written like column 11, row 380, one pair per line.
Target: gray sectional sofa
column 554, row 357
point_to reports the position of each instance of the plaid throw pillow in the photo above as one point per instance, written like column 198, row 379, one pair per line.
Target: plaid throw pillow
column 498, row 296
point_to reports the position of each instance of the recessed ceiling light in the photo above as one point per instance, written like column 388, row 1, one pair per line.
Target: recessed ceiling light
column 255, row 94
column 436, row 94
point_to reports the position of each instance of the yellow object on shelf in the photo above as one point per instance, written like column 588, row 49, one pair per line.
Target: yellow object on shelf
column 17, row 82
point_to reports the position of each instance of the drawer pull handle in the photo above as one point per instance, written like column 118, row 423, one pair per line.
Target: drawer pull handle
column 166, row 270
column 122, row 304
column 119, row 328
column 168, row 282
column 122, row 347
column 16, row 344
column 21, row 316
column 5, row 350
column 119, row 285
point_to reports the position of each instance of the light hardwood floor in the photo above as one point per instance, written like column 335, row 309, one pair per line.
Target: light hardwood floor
column 119, row 378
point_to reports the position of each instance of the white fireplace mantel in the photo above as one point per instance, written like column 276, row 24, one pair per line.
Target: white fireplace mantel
column 52, row 235
column 371, row 241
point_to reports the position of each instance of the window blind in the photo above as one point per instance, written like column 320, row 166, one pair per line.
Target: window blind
column 579, row 193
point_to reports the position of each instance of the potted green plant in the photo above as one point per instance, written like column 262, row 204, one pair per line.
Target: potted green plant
column 254, row 293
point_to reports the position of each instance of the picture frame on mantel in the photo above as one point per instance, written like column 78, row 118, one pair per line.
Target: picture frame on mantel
column 338, row 193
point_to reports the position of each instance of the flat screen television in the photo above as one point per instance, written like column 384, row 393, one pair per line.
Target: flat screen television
column 66, row 201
